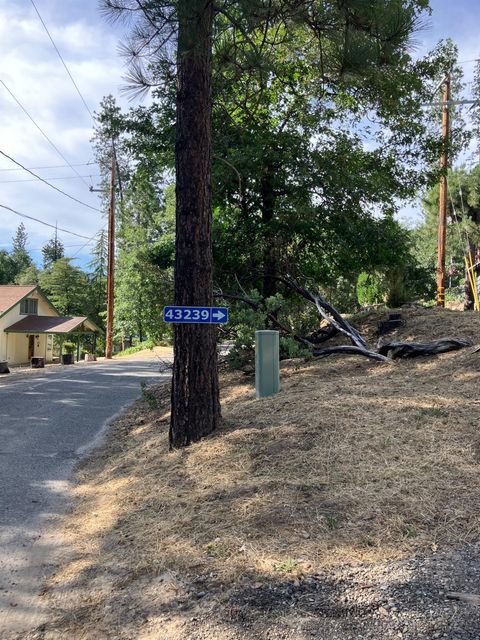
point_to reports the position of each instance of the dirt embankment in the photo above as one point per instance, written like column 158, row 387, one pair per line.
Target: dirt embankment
column 299, row 517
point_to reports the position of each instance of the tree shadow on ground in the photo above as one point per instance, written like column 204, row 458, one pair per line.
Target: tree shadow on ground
column 223, row 540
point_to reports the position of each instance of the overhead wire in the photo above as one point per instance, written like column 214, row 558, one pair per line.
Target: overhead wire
column 88, row 242
column 36, row 179
column 67, row 195
column 84, row 102
column 65, row 246
column 52, row 144
column 55, row 166
column 62, row 60
column 69, row 73
column 46, row 224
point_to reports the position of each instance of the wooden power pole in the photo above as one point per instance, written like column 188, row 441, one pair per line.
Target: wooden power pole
column 442, row 206
column 111, row 262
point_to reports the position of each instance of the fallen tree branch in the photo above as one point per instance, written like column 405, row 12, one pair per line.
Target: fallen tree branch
column 337, row 323
column 350, row 350
column 414, row 349
column 322, row 335
column 328, row 312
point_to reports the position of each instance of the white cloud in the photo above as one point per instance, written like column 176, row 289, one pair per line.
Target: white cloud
column 33, row 71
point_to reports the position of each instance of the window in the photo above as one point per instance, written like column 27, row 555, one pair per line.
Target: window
column 29, row 307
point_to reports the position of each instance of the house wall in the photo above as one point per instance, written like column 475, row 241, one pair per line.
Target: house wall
column 14, row 346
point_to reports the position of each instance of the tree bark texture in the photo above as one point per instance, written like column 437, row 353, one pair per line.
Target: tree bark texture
column 195, row 391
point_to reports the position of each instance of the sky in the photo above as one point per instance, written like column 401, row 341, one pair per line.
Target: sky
column 33, row 72
column 88, row 43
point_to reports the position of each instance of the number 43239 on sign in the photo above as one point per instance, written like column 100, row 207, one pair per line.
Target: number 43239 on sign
column 202, row 315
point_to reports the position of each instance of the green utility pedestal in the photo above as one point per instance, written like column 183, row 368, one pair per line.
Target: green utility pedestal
column 267, row 363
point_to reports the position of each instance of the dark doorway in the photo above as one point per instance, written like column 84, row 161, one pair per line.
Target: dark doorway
column 31, row 347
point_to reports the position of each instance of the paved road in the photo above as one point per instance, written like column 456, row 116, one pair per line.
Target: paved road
column 47, row 422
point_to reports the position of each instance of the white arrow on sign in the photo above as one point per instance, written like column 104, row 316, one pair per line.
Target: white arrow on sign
column 218, row 315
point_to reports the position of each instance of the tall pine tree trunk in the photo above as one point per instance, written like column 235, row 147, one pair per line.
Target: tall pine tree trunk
column 195, row 393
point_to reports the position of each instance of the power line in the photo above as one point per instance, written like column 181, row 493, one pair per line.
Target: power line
column 46, row 224
column 63, row 61
column 48, row 183
column 41, row 130
column 88, row 242
column 56, row 166
column 65, row 246
column 59, row 178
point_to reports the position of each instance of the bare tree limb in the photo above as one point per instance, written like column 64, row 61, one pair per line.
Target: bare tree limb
column 350, row 350
column 414, row 349
column 327, row 312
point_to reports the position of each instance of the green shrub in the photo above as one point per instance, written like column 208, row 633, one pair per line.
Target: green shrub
column 146, row 344
column 290, row 348
column 370, row 289
column 244, row 321
column 69, row 347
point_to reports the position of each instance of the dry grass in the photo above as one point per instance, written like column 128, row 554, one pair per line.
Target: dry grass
column 159, row 352
column 352, row 461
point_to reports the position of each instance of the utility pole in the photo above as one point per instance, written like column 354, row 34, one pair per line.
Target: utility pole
column 442, row 206
column 111, row 261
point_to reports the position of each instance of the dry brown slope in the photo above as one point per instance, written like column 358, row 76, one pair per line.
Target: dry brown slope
column 352, row 461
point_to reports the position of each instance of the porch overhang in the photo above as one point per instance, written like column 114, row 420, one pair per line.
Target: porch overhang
column 54, row 325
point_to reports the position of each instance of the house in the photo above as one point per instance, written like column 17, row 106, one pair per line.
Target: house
column 28, row 322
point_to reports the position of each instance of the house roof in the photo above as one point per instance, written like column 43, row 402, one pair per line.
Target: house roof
column 12, row 294
column 50, row 324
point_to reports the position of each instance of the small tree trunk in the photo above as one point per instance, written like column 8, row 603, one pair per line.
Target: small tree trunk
column 195, row 392
column 469, row 300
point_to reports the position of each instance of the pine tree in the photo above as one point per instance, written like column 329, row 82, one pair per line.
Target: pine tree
column 7, row 268
column 52, row 251
column 98, row 278
column 338, row 63
column 20, row 256
column 31, row 275
column 66, row 287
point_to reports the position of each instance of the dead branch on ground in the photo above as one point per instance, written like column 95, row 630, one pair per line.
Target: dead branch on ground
column 395, row 350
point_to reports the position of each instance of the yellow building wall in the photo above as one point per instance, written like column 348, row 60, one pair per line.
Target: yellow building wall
column 14, row 346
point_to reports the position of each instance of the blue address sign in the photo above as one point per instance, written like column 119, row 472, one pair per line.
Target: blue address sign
column 202, row 315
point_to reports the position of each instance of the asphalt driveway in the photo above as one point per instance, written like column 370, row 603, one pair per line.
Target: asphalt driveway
column 47, row 422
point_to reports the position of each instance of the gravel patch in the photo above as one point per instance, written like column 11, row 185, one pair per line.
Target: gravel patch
column 405, row 600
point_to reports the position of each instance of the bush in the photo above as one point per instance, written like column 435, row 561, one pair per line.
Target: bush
column 290, row 348
column 69, row 347
column 244, row 321
column 146, row 344
column 370, row 289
